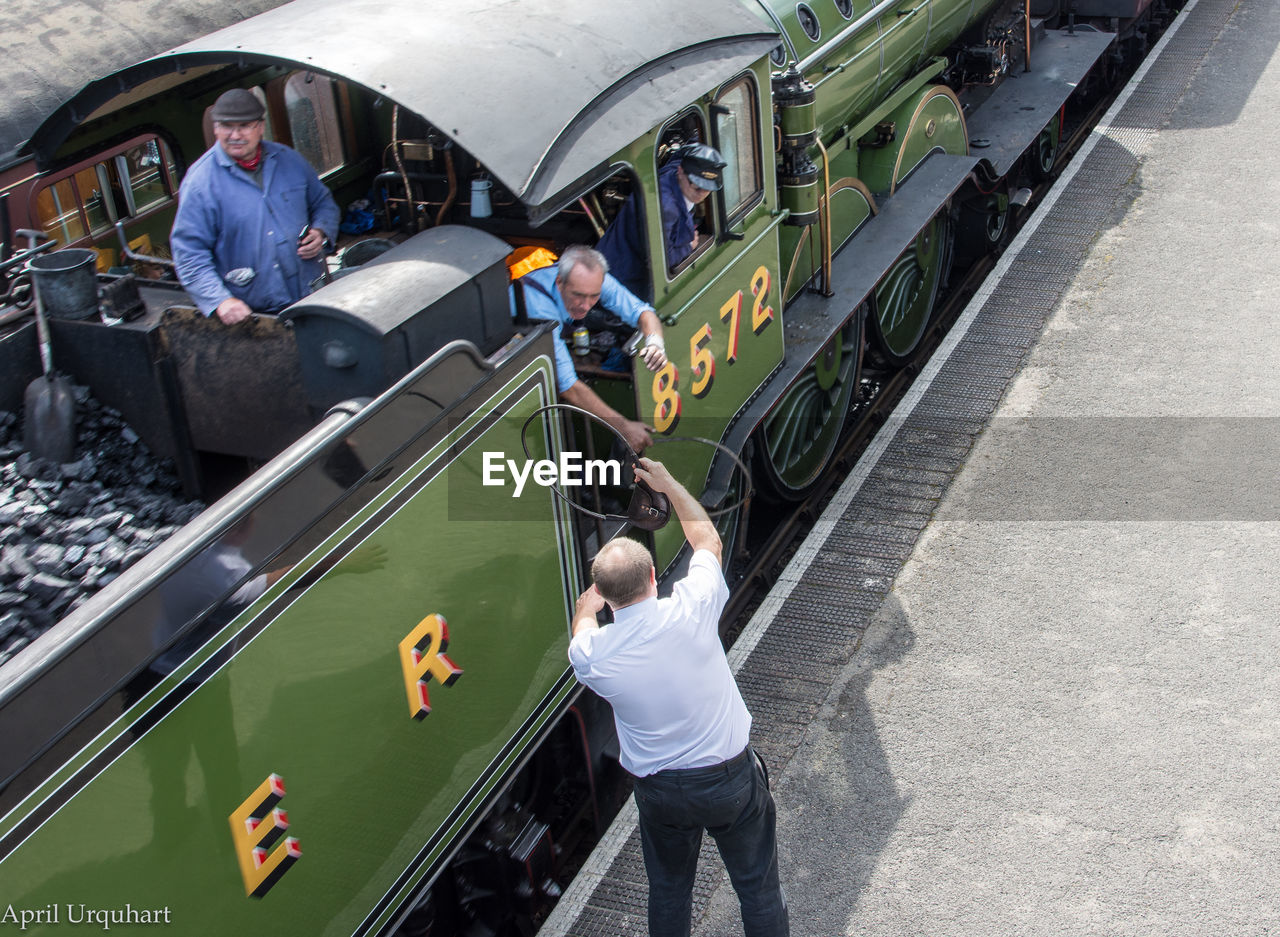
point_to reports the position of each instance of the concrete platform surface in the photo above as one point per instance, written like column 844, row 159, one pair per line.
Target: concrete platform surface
column 1064, row 718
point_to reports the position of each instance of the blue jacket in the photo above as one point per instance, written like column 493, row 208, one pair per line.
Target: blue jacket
column 678, row 228
column 625, row 246
column 226, row 223
column 542, row 300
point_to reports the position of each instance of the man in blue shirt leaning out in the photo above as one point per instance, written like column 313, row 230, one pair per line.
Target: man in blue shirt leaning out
column 565, row 292
column 253, row 218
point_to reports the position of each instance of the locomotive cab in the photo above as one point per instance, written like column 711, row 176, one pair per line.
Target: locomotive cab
column 403, row 158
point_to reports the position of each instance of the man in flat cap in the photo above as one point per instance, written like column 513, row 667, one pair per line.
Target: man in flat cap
column 692, row 173
column 253, row 218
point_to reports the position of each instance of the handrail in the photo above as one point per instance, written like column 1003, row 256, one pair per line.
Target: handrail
column 852, row 29
column 130, row 254
column 20, row 258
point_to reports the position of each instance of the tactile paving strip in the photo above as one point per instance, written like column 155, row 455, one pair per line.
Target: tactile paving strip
column 817, row 627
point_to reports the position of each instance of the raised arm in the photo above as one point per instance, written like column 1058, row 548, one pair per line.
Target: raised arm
column 698, row 527
column 584, row 613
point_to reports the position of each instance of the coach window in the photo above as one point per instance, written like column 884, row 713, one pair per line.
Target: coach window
column 148, row 171
column 121, row 184
column 59, row 212
column 736, row 128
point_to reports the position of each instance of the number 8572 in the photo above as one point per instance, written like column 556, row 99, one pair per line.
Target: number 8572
column 702, row 362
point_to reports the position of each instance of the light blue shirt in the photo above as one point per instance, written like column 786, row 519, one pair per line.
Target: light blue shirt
column 661, row 666
column 550, row 306
column 227, row 226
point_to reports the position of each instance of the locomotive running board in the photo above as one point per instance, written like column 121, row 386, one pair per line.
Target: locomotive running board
column 1007, row 122
column 855, row 271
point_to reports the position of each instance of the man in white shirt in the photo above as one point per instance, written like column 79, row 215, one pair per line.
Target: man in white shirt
column 682, row 726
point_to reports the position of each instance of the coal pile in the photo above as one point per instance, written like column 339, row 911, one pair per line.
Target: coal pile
column 67, row 530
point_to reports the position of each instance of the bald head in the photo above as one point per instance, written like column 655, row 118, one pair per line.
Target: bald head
column 622, row 572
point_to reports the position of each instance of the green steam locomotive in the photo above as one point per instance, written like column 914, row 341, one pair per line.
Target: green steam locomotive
column 338, row 702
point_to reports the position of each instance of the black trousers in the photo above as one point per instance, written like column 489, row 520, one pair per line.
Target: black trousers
column 731, row 801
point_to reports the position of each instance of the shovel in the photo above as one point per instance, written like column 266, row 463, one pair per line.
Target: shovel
column 49, row 430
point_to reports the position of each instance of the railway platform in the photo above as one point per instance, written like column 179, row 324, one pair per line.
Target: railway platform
column 1021, row 678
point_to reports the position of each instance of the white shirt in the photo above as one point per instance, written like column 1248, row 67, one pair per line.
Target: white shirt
column 662, row 668
column 195, row 587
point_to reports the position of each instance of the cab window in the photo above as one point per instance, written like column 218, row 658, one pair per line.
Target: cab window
column 685, row 129
column 736, row 136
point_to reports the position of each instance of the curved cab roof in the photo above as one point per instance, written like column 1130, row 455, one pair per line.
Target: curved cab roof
column 540, row 92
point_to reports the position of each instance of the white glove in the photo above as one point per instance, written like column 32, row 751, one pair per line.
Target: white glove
column 654, row 352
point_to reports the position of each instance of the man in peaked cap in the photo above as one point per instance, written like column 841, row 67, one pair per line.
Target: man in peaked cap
column 253, row 218
column 693, row 172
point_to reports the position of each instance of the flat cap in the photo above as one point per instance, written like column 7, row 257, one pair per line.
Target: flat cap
column 237, row 106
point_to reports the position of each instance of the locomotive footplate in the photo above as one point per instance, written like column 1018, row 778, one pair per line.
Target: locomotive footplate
column 1006, row 123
